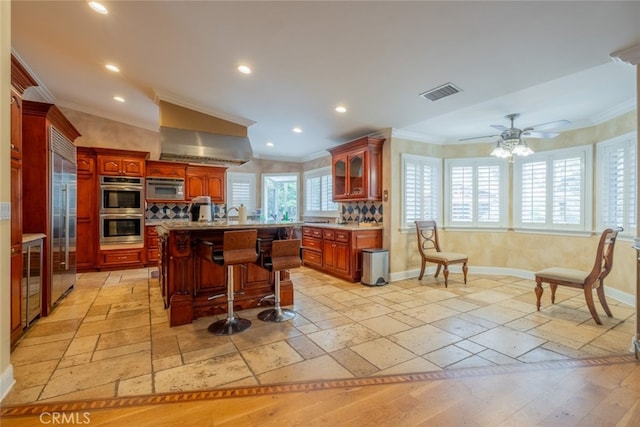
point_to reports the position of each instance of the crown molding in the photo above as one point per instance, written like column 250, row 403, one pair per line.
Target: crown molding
column 612, row 113
column 417, row 136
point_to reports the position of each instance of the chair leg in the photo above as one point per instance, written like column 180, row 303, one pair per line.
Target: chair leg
column 424, row 262
column 437, row 270
column 603, row 300
column 446, row 275
column 464, row 272
column 588, row 296
column 539, row 292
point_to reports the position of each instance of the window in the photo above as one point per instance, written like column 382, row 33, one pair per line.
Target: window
column 318, row 193
column 477, row 192
column 241, row 190
column 616, row 191
column 552, row 191
column 280, row 196
column 421, row 192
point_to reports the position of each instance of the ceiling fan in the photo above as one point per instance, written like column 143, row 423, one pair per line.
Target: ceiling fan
column 511, row 142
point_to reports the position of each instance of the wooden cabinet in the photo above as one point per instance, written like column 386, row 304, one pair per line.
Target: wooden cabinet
column 87, row 210
column 152, row 244
column 205, row 181
column 20, row 81
column 357, row 170
column 157, row 168
column 121, row 163
column 338, row 251
column 48, row 161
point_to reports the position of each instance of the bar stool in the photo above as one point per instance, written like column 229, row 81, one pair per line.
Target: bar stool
column 285, row 255
column 238, row 247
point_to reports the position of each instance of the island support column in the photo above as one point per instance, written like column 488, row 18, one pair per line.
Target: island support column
column 181, row 302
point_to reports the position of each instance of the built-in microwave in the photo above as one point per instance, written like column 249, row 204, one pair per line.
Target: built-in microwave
column 121, row 195
column 165, row 189
column 121, row 228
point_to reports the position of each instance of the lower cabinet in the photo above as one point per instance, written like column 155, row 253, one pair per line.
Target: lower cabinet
column 121, row 258
column 152, row 245
column 338, row 251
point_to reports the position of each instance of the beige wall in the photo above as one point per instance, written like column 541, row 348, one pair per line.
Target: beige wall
column 526, row 252
column 6, row 370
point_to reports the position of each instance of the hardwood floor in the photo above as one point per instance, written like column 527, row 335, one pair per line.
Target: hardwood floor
column 587, row 392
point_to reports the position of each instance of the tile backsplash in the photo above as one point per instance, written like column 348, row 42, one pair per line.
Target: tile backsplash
column 366, row 211
column 348, row 211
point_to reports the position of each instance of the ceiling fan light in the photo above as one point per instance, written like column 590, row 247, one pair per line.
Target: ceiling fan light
column 500, row 152
column 522, row 149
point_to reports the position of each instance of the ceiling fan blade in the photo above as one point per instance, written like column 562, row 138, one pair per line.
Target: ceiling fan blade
column 478, row 137
column 499, row 127
column 536, row 134
column 558, row 124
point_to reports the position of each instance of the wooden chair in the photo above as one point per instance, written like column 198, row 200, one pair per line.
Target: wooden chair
column 285, row 255
column 430, row 251
column 586, row 280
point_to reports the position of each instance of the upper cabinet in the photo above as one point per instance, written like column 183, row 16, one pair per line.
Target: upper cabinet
column 121, row 162
column 160, row 169
column 357, row 170
column 205, row 181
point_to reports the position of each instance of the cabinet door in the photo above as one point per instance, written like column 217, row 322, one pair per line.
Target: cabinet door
column 16, row 203
column 159, row 169
column 195, row 186
column 108, row 165
column 16, row 294
column 215, row 188
column 133, row 167
column 356, row 168
column 328, row 254
column 339, row 177
column 16, row 125
column 341, row 253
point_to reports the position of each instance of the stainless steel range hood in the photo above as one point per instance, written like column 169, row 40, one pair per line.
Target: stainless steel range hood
column 194, row 146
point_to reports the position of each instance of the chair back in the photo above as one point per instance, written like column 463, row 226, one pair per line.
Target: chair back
column 427, row 236
column 604, row 255
column 239, row 246
column 285, row 254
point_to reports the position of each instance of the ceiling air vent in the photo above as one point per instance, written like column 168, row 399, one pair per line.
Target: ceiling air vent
column 441, row 92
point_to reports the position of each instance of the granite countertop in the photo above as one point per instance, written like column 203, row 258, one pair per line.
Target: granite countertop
column 222, row 225
column 30, row 237
column 352, row 226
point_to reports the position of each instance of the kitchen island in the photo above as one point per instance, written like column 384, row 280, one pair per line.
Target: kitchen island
column 188, row 278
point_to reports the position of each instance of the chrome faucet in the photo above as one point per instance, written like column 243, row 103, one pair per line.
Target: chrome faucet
column 232, row 208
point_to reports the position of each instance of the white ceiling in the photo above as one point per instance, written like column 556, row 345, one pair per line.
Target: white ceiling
column 545, row 60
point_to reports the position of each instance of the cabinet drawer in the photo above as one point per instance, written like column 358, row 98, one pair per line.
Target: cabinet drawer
column 342, row 236
column 312, row 232
column 152, row 242
column 121, row 257
column 329, row 234
column 311, row 257
column 152, row 256
column 311, row 243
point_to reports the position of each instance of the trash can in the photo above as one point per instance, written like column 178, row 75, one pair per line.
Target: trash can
column 375, row 267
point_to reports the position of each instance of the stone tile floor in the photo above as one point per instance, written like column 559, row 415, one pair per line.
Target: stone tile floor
column 110, row 336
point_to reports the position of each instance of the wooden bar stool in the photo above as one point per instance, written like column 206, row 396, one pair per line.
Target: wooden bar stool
column 238, row 247
column 285, row 255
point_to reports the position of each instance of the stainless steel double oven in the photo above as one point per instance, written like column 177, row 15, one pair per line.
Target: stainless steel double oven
column 121, row 210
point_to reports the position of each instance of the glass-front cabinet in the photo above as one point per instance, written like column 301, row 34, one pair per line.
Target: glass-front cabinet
column 357, row 170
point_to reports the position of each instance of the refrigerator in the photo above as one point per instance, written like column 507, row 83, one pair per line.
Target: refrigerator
column 63, row 187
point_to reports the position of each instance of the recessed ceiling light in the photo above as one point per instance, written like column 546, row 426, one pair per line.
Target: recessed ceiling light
column 297, row 130
column 98, row 7
column 118, row 98
column 113, row 68
column 244, row 69
column 269, row 144
column 341, row 109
